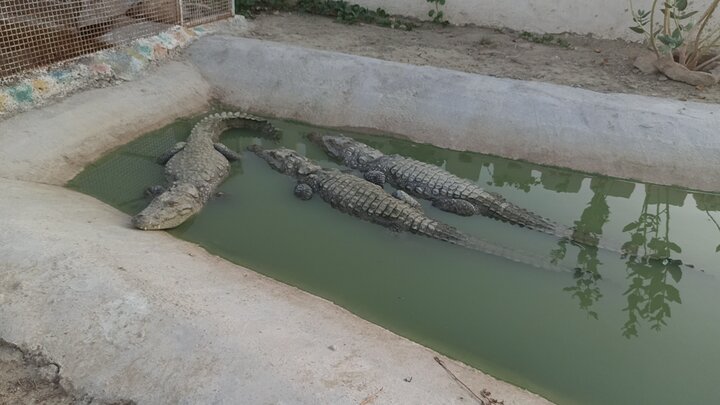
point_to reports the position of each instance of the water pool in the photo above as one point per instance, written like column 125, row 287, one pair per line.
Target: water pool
column 619, row 330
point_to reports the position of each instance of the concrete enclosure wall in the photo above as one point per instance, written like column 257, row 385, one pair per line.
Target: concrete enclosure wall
column 645, row 138
column 604, row 19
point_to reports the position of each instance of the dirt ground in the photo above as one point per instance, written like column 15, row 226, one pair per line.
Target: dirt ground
column 600, row 65
column 29, row 378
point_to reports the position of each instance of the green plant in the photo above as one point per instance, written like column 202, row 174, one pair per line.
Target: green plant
column 349, row 13
column 545, row 39
column 437, row 15
column 249, row 8
column 669, row 31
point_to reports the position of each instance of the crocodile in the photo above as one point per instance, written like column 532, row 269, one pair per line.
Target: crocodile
column 449, row 192
column 399, row 212
column 194, row 169
column 446, row 191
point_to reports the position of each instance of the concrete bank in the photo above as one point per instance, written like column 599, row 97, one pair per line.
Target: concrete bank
column 53, row 144
column 644, row 138
column 146, row 317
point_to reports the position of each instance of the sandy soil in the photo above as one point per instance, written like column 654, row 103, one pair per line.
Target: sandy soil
column 29, row 378
column 594, row 64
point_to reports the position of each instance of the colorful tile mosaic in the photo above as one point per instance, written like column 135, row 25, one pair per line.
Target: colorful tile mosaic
column 123, row 63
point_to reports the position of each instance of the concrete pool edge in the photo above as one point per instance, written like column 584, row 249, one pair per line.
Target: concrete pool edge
column 147, row 317
column 54, row 143
column 626, row 136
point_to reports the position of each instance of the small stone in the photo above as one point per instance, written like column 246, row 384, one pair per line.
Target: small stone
column 332, row 348
column 662, row 78
column 645, row 62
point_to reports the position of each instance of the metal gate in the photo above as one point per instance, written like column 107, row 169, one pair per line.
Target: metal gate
column 35, row 33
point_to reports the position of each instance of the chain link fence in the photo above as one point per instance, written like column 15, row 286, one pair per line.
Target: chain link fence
column 35, row 33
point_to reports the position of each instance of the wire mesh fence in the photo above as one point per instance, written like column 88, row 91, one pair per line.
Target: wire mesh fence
column 35, row 33
column 194, row 12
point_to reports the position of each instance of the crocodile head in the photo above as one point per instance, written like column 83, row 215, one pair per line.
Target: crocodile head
column 170, row 208
column 348, row 151
column 286, row 161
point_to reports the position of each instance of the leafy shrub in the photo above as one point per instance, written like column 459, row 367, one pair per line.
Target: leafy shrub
column 669, row 30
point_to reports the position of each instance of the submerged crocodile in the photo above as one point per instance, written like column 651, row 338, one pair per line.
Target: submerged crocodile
column 194, row 169
column 355, row 196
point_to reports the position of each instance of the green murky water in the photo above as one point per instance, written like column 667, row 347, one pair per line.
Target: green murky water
column 619, row 331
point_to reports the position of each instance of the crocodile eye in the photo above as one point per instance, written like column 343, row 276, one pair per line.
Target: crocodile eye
column 171, row 203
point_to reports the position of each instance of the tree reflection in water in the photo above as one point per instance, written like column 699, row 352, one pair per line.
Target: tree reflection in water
column 590, row 225
column 652, row 274
column 651, row 290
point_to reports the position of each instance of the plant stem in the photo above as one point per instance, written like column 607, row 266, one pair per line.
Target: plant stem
column 652, row 28
column 695, row 54
column 713, row 219
column 707, row 62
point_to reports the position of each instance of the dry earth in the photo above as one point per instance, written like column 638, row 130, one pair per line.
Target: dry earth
column 601, row 65
column 29, row 378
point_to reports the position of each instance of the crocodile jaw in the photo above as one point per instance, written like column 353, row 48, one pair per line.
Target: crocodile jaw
column 169, row 209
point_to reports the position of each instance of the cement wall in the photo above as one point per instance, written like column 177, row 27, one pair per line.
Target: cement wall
column 645, row 138
column 53, row 144
column 604, row 19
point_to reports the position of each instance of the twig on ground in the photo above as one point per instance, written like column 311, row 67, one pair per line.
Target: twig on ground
column 485, row 396
column 371, row 398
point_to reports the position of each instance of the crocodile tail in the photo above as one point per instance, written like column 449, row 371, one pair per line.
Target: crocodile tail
column 447, row 233
column 215, row 124
column 518, row 256
column 440, row 231
column 500, row 208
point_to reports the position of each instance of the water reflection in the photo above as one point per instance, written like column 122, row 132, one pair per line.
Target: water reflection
column 652, row 283
column 650, row 293
column 708, row 203
column 653, row 271
column 515, row 174
column 593, row 218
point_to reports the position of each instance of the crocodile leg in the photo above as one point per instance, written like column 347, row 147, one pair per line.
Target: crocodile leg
column 375, row 176
column 405, row 197
column 456, row 206
column 154, row 191
column 162, row 159
column 229, row 154
column 303, row 191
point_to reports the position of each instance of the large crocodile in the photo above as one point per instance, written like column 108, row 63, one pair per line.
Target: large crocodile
column 194, row 169
column 446, row 191
column 355, row 196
